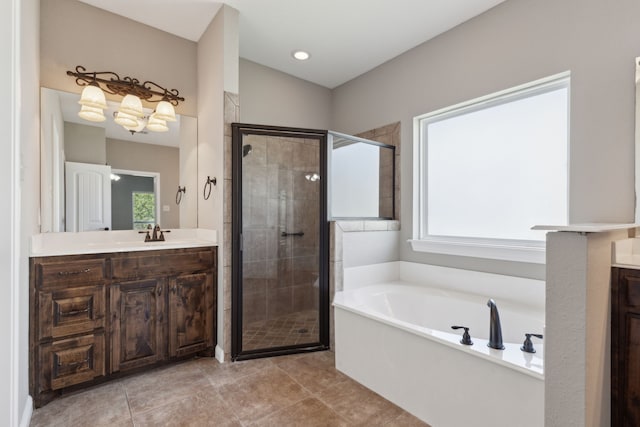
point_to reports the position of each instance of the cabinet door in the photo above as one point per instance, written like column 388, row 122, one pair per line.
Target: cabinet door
column 191, row 309
column 625, row 348
column 137, row 323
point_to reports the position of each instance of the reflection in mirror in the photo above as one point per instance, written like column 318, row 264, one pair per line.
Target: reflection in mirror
column 98, row 176
column 362, row 178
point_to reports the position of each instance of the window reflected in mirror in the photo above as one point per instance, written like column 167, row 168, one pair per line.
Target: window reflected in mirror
column 362, row 178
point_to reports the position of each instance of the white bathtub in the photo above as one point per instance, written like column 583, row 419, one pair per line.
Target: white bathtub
column 395, row 338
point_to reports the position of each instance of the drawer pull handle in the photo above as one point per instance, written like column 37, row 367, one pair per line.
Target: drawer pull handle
column 73, row 273
column 72, row 364
column 74, row 312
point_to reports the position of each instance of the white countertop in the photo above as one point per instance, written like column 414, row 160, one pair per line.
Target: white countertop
column 586, row 228
column 94, row 242
column 626, row 253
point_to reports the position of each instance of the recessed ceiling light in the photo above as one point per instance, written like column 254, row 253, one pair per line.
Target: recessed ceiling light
column 300, row 55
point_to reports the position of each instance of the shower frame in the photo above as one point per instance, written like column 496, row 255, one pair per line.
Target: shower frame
column 237, row 352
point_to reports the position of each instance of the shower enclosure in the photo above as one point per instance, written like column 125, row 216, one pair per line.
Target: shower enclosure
column 280, row 297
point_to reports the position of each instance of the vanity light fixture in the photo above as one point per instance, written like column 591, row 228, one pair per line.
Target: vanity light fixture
column 300, row 55
column 130, row 114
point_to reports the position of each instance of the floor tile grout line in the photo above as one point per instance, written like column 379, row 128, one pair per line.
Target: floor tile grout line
column 126, row 395
column 317, row 397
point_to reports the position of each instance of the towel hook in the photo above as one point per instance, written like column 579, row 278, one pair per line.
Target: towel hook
column 181, row 191
column 206, row 192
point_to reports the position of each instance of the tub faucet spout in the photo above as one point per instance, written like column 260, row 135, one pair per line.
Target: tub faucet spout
column 495, row 329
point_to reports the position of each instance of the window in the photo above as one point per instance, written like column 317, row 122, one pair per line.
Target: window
column 492, row 168
column 144, row 210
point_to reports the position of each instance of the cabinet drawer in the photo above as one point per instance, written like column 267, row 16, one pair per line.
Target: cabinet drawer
column 71, row 361
column 160, row 264
column 76, row 272
column 71, row 311
column 631, row 288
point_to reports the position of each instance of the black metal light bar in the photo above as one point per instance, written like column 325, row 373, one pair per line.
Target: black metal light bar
column 111, row 82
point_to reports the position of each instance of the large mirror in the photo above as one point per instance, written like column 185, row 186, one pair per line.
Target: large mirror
column 100, row 176
column 362, row 178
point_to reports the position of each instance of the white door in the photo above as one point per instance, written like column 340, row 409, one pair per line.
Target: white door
column 88, row 192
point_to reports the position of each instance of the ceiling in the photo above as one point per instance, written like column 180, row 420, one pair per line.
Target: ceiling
column 345, row 38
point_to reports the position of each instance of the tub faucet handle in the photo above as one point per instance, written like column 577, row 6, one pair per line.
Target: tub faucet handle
column 527, row 346
column 466, row 338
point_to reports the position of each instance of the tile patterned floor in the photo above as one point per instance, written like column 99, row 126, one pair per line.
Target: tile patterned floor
column 300, row 390
column 300, row 327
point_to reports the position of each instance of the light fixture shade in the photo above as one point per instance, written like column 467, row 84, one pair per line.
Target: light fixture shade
column 132, row 105
column 93, row 96
column 165, row 111
column 92, row 114
column 126, row 120
column 157, row 125
column 134, row 129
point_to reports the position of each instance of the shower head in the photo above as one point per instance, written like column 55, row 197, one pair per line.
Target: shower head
column 246, row 149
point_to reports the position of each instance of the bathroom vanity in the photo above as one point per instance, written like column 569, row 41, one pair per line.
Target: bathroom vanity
column 625, row 333
column 97, row 316
column 625, row 346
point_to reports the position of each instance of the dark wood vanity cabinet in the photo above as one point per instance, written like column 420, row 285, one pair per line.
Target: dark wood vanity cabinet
column 191, row 302
column 625, row 347
column 137, row 323
column 97, row 316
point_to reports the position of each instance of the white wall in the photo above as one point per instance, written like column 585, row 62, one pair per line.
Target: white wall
column 271, row 97
column 369, row 247
column 514, row 43
column 19, row 182
column 74, row 33
column 188, row 174
column 217, row 47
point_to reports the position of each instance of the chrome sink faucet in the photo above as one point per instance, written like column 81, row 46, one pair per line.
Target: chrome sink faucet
column 495, row 329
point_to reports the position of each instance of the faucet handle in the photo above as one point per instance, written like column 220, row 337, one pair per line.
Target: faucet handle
column 527, row 346
column 466, row 338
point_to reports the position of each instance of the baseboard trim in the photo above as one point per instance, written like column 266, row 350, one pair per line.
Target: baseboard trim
column 25, row 420
column 219, row 354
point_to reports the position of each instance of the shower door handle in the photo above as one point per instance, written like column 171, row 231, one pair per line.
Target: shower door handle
column 285, row 234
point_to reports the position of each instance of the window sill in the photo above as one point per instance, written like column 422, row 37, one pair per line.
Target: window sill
column 505, row 250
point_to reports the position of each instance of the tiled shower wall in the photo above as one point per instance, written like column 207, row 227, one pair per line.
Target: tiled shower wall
column 231, row 115
column 280, row 273
column 390, row 135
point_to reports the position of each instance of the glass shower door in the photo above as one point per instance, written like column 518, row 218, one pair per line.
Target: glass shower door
column 280, row 288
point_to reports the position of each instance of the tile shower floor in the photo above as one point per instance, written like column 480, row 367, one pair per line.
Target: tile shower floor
column 300, row 327
column 300, row 390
